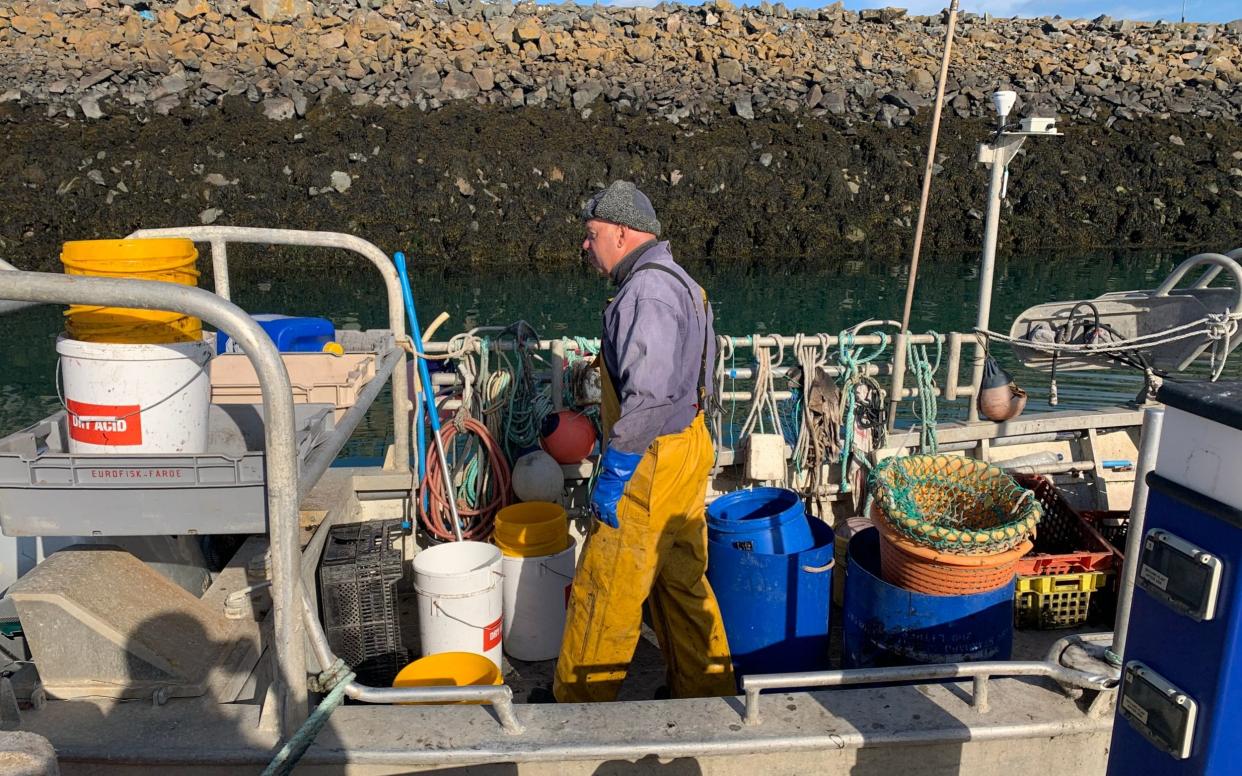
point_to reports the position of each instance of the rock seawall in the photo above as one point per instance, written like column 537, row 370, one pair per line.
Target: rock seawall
column 470, row 134
column 685, row 63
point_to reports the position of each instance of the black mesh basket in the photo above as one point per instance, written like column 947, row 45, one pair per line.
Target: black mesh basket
column 358, row 578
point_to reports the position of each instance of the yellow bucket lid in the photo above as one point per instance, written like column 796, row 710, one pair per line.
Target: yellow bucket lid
column 531, row 529
column 115, row 256
column 449, row 669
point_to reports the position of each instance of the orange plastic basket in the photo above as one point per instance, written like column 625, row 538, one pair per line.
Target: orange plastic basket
column 925, row 570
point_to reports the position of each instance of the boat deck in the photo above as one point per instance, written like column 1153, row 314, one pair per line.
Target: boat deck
column 646, row 675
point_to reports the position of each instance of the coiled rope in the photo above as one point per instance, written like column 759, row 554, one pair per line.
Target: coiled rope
column 477, row 515
column 857, row 388
column 924, row 372
column 816, row 442
column 763, row 398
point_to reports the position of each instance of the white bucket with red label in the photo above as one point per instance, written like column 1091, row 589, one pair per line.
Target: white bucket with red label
column 135, row 398
column 460, row 599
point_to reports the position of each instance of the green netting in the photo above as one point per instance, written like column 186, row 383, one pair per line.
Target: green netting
column 954, row 504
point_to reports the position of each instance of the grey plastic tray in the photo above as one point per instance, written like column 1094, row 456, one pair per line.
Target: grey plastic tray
column 45, row 491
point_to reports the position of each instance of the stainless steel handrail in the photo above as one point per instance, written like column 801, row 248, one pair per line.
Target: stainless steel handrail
column 9, row 306
column 979, row 672
column 1218, row 262
column 1215, row 269
column 220, row 236
column 499, row 696
column 280, row 458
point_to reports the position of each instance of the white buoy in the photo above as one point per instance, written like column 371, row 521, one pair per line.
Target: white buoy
column 538, row 477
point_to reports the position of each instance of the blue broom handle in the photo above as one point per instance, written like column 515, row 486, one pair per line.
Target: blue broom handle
column 429, row 395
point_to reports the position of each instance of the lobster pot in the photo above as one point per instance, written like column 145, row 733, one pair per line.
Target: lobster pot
column 460, row 599
column 886, row 625
column 124, row 398
column 536, row 599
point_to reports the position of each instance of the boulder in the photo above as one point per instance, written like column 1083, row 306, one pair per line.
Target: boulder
column 425, row 78
column 744, row 107
column 527, row 29
column 279, row 10
column 459, row 86
column 279, row 108
column 729, row 71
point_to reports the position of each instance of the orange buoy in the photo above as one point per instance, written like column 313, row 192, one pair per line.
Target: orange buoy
column 568, row 436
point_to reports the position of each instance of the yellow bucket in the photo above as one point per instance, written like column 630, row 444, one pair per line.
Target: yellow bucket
column 449, row 669
column 168, row 259
column 531, row 529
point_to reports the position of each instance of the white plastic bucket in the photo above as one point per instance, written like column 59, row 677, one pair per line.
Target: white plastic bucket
column 460, row 599
column 136, row 398
column 536, row 597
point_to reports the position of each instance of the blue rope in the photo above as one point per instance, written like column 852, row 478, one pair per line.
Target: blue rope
column 287, row 758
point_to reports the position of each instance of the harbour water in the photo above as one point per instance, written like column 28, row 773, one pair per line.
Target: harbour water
column 779, row 300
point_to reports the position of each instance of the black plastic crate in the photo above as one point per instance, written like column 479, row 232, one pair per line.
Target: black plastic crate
column 358, row 576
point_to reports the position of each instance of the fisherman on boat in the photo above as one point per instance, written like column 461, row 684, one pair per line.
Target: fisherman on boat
column 649, row 539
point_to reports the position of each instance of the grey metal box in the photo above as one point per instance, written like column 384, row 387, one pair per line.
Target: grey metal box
column 46, row 491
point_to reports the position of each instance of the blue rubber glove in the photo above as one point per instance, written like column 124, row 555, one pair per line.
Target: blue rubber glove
column 615, row 470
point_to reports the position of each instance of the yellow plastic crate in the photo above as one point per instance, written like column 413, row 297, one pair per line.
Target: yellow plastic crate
column 1057, row 600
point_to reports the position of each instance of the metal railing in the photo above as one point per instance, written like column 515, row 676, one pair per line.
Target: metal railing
column 951, row 388
column 220, row 236
column 979, row 673
column 280, row 459
column 499, row 696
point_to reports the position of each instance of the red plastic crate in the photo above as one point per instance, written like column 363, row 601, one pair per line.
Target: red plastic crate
column 1065, row 543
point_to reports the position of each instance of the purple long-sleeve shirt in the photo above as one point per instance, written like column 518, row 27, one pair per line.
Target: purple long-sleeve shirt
column 655, row 331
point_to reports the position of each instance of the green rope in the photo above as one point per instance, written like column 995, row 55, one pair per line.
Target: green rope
column 925, row 403
column 852, row 358
column 287, row 758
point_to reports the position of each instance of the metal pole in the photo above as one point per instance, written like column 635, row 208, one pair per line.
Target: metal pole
column 220, row 267
column 899, row 358
column 280, row 457
column 499, row 696
column 7, row 306
column 997, row 155
column 753, row 685
column 991, row 228
column 1149, row 445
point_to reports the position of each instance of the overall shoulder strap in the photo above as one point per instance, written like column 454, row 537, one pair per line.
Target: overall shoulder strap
column 706, row 329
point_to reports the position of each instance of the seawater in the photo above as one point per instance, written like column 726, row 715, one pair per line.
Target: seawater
column 778, row 300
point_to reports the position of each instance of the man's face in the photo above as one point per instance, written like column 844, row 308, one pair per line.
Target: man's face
column 604, row 244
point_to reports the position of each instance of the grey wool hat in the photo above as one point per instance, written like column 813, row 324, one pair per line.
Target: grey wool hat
column 622, row 203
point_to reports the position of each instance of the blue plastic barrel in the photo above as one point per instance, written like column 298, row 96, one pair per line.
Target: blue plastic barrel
column 767, row 520
column 886, row 625
column 776, row 608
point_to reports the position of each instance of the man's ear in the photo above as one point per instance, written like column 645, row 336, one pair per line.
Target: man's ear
column 623, row 233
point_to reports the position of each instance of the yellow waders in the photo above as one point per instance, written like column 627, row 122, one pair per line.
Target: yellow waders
column 659, row 554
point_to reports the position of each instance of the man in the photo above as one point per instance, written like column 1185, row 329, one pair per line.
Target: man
column 649, row 539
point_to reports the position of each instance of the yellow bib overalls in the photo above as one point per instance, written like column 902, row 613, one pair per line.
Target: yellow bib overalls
column 657, row 555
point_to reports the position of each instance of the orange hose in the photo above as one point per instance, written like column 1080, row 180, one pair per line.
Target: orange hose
column 437, row 518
